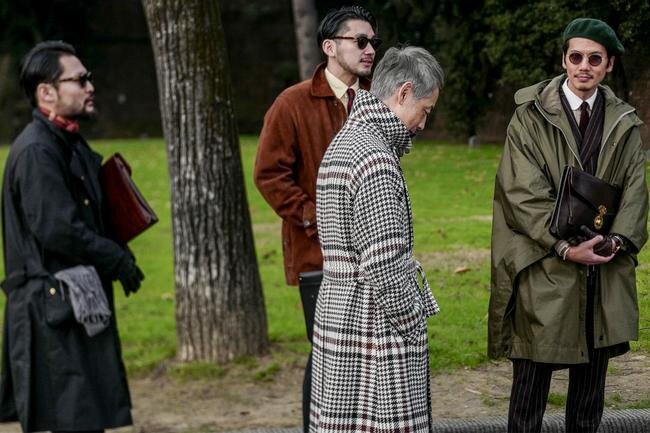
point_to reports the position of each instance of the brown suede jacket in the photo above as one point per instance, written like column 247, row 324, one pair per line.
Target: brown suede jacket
column 298, row 127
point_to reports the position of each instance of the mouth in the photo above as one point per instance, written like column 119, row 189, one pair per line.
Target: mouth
column 89, row 104
column 367, row 61
column 583, row 77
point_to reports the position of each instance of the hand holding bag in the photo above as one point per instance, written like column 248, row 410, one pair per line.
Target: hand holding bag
column 586, row 200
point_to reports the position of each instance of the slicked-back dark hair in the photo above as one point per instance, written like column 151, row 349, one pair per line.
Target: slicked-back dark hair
column 41, row 65
column 331, row 24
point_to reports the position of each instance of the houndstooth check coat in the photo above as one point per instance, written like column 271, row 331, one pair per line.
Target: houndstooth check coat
column 370, row 352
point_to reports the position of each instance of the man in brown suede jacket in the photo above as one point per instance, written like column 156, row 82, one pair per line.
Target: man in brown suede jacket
column 297, row 130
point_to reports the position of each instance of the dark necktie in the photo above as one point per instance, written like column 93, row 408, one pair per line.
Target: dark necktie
column 584, row 118
column 350, row 93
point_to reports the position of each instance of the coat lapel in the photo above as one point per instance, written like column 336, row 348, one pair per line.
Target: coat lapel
column 84, row 164
column 549, row 100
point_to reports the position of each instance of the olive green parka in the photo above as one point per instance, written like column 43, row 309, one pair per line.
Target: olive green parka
column 538, row 301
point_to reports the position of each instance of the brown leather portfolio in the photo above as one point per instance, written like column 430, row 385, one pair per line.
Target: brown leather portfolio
column 128, row 212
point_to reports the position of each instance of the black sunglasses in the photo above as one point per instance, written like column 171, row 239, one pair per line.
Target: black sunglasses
column 362, row 41
column 593, row 59
column 82, row 79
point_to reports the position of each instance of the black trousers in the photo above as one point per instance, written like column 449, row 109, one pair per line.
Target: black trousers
column 309, row 285
column 586, row 395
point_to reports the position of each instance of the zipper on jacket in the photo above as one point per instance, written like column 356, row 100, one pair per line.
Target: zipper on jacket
column 539, row 108
column 616, row 122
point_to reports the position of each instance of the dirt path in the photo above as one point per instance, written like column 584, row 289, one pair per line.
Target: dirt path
column 162, row 405
column 237, row 401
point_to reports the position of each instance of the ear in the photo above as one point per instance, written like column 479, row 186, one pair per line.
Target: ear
column 610, row 63
column 403, row 92
column 564, row 61
column 328, row 47
column 45, row 92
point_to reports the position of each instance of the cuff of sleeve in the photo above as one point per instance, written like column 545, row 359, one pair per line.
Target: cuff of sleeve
column 561, row 248
column 309, row 214
column 621, row 242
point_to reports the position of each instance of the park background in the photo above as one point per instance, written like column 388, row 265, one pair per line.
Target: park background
column 487, row 48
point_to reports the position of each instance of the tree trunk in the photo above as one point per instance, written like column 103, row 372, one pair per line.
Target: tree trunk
column 305, row 20
column 219, row 303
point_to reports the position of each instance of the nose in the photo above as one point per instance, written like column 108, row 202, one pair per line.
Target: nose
column 369, row 49
column 90, row 88
column 422, row 123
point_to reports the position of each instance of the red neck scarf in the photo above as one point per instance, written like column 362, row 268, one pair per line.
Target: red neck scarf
column 61, row 122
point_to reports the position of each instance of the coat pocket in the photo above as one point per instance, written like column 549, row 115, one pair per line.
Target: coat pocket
column 58, row 309
column 404, row 311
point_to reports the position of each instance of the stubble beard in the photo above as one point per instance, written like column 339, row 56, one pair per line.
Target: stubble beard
column 85, row 113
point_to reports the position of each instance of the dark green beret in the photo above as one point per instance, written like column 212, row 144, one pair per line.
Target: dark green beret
column 596, row 30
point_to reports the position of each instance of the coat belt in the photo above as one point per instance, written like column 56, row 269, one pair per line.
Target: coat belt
column 429, row 301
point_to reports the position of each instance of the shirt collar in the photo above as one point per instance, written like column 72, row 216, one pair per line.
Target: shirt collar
column 339, row 87
column 574, row 100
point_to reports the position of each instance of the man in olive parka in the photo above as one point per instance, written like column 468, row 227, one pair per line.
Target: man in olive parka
column 561, row 303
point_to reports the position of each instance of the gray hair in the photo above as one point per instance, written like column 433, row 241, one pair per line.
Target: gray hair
column 400, row 65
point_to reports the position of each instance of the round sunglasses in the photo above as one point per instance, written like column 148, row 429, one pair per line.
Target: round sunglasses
column 593, row 59
column 362, row 41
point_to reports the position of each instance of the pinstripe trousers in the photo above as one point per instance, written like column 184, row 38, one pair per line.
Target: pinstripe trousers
column 586, row 395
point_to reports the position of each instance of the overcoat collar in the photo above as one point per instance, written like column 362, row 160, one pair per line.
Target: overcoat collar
column 78, row 162
column 368, row 109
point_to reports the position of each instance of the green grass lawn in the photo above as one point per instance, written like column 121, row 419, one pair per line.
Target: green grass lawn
column 451, row 190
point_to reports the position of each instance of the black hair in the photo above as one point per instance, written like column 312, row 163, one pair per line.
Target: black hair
column 335, row 18
column 41, row 65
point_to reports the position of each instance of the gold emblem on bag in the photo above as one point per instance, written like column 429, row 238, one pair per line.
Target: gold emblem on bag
column 598, row 221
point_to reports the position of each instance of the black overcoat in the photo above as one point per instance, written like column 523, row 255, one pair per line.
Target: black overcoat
column 55, row 377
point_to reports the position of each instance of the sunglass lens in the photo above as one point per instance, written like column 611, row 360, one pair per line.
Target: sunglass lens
column 375, row 42
column 362, row 42
column 595, row 60
column 83, row 79
column 575, row 58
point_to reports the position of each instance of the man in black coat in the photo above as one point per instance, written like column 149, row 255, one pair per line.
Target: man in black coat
column 54, row 376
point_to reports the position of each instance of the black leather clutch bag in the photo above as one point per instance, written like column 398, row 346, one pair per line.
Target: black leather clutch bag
column 583, row 199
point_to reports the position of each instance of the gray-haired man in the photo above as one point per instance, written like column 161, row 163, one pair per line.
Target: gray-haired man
column 370, row 306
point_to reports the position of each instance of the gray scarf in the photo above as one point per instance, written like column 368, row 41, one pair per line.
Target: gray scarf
column 87, row 297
